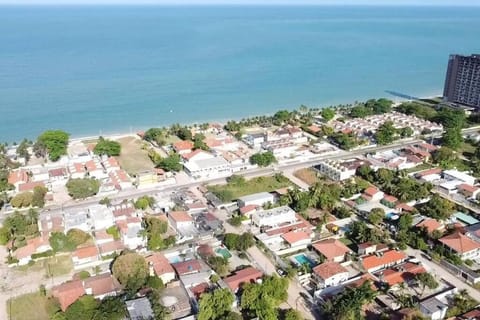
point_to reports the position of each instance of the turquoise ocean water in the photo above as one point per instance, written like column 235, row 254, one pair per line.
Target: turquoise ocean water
column 91, row 70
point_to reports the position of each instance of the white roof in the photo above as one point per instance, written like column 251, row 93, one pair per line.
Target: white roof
column 275, row 212
column 256, row 196
column 451, row 185
column 213, row 162
column 459, row 175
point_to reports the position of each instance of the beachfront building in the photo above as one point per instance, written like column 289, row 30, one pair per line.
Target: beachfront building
column 200, row 164
column 274, row 217
column 462, row 81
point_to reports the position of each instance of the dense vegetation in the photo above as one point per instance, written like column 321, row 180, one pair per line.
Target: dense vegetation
column 238, row 242
column 155, row 232
column 215, row 305
column 131, row 270
column 53, row 143
column 371, row 107
column 321, row 195
column 61, row 242
column 26, row 199
column 82, row 188
column 263, row 159
column 17, row 227
column 170, row 163
column 107, row 147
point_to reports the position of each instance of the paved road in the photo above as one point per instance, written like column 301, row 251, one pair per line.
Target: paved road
column 444, row 274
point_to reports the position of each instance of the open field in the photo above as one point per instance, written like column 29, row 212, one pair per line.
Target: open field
column 307, row 175
column 133, row 159
column 236, row 189
column 31, row 306
column 56, row 266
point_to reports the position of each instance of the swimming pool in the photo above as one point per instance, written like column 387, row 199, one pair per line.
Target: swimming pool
column 302, row 259
column 223, row 252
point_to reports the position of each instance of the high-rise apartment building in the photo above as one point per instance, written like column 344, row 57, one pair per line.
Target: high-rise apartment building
column 462, row 83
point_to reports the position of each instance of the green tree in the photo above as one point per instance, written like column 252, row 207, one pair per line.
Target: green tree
column 22, row 200
column 131, row 270
column 452, row 138
column 107, row 147
column 292, row 314
column 38, row 197
column 52, row 142
column 376, row 216
column 328, row 114
column 219, row 265
column 60, row 242
column 385, row 133
column 406, row 132
column 156, row 135
column 82, row 309
column 184, row 133
column 437, row 208
column 171, row 163
column 22, row 150
column 215, row 305
column 426, row 280
column 82, row 188
column 262, row 300
column 144, row 202
column 77, row 237
column 281, row 116
column 110, row 308
column 263, row 159
column 445, row 157
column 199, row 142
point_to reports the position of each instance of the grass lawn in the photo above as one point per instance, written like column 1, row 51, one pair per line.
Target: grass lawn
column 307, row 175
column 56, row 266
column 30, row 306
column 421, row 167
column 255, row 185
column 133, row 158
column 467, row 150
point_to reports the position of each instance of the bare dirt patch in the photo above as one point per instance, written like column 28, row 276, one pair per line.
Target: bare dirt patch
column 307, row 175
column 134, row 158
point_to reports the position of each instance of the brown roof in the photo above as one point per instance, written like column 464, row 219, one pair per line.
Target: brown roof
column 180, row 216
column 29, row 186
column 100, row 284
column 467, row 187
column 430, row 224
column 328, row 269
column 248, row 208
column 459, row 242
column 160, row 264
column 390, row 198
column 58, row 172
column 86, row 252
column 388, row 257
column 404, row 207
column 370, row 191
column 123, row 210
column 186, row 267
column 68, row 292
column 429, row 172
column 402, row 273
column 331, row 248
column 183, row 145
column 246, row 275
column 110, row 247
column 19, row 175
column 295, row 236
column 192, row 154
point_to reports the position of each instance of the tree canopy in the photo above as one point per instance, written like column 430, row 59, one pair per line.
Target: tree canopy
column 263, row 159
column 107, row 147
column 237, row 242
column 82, row 188
column 215, row 305
column 131, row 270
column 157, row 135
column 437, row 208
column 52, row 143
column 327, row 114
column 386, row 133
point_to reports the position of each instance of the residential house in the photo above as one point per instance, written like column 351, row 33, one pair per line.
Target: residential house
column 257, row 199
column 255, row 140
column 95, row 169
column 57, row 174
column 430, row 225
column 433, row 308
column 366, row 248
column 473, row 231
column 468, row 191
column 247, row 211
column 372, row 194
column 274, row 217
column 110, row 164
column 130, row 232
column 400, row 273
column 339, row 170
column 161, row 267
column 389, row 201
column 180, row 220
column 460, row 176
column 332, row 249
column 77, row 170
column 67, row 293
column 200, row 164
column 382, row 260
column 462, row 245
column 35, row 245
column 187, row 267
column 18, row 177
column 247, row 275
column 146, row 179
column 183, row 147
column 84, row 256
column 120, row 179
column 139, row 309
column 29, row 186
column 77, row 219
column 101, row 216
column 101, row 286
column 49, row 223
column 330, row 274
column 107, row 249
column 297, row 239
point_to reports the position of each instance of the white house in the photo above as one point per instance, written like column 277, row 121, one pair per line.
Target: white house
column 435, row 308
column 130, row 233
column 180, row 219
column 257, row 199
column 101, row 216
column 200, row 164
column 120, row 179
column 110, row 164
column 101, row 286
column 339, row 170
column 77, row 170
column 85, row 256
column 462, row 245
column 255, row 140
column 77, row 220
column 330, row 274
column 458, row 175
column 274, row 217
column 95, row 169
column 297, row 239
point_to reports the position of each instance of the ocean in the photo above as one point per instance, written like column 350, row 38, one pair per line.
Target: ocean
column 102, row 69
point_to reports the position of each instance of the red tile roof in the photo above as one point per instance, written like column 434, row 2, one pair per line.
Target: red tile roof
column 183, row 145
column 467, row 187
column 187, row 267
column 110, row 247
column 331, row 248
column 400, row 274
column 86, row 252
column 246, row 275
column 430, row 224
column 248, row 208
column 404, row 207
column 328, row 269
column 160, row 264
column 314, row 129
column 390, row 198
column 371, row 191
column 427, row 146
column 459, row 242
column 58, row 172
column 180, row 216
column 68, row 292
column 429, row 172
column 388, row 257
column 29, row 186
column 101, row 284
column 295, row 236
column 192, row 154
column 16, row 176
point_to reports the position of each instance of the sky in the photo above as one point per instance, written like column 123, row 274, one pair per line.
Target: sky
column 247, row 2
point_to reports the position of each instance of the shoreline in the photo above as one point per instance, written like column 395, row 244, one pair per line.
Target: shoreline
column 133, row 132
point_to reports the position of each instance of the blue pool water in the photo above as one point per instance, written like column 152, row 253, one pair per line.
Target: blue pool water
column 303, row 259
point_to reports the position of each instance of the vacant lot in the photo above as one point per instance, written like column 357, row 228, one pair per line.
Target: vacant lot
column 56, row 266
column 307, row 175
column 133, row 158
column 31, row 306
column 240, row 187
